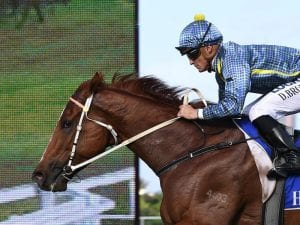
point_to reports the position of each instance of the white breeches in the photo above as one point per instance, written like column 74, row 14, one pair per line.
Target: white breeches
column 281, row 101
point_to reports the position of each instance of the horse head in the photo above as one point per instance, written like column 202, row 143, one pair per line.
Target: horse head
column 127, row 107
column 49, row 174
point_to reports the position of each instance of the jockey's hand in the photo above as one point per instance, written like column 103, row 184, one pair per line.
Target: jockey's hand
column 187, row 112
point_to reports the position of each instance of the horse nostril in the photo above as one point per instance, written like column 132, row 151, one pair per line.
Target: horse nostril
column 38, row 177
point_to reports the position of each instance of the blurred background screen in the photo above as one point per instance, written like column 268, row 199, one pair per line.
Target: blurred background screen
column 47, row 48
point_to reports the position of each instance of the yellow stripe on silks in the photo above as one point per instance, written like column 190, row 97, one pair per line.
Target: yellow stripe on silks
column 262, row 71
column 219, row 66
column 219, row 69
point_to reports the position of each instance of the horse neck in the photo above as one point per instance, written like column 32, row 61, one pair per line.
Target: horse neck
column 130, row 114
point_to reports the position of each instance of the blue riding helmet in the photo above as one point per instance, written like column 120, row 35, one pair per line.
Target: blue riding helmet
column 197, row 34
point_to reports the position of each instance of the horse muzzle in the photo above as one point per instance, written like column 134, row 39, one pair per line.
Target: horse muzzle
column 54, row 183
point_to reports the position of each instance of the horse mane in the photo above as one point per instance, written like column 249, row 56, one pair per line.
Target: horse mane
column 147, row 86
column 154, row 88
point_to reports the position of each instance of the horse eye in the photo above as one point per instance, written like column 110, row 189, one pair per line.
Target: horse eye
column 67, row 124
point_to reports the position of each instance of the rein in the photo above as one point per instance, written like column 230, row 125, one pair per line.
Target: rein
column 199, row 152
column 69, row 168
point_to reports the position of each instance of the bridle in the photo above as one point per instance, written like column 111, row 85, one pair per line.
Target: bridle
column 85, row 109
column 69, row 168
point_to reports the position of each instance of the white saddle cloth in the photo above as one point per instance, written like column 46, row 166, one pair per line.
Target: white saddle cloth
column 264, row 165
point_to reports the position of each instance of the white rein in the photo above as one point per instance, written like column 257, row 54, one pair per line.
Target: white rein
column 85, row 108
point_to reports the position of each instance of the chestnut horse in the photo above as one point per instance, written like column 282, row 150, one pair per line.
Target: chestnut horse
column 218, row 188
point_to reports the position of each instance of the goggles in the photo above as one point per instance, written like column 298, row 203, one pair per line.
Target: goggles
column 194, row 53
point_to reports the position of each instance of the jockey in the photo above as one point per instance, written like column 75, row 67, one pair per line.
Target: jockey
column 273, row 71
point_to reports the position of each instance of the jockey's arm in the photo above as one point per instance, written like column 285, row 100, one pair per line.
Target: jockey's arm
column 234, row 95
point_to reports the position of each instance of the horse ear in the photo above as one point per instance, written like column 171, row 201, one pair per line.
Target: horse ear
column 98, row 77
column 96, row 81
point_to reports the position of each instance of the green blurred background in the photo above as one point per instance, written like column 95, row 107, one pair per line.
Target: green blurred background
column 41, row 64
